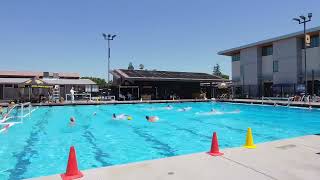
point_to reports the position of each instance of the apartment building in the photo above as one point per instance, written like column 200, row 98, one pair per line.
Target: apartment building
column 275, row 67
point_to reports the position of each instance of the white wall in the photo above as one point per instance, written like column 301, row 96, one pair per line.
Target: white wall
column 249, row 61
column 286, row 53
column 267, row 67
column 313, row 62
column 236, row 71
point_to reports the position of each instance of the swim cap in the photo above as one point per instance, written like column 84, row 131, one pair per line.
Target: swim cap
column 129, row 118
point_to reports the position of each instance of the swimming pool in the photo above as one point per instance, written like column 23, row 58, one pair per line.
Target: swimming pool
column 40, row 145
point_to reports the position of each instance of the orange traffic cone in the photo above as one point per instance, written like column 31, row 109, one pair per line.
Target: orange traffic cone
column 72, row 168
column 215, row 146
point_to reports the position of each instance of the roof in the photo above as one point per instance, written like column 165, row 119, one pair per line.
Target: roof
column 165, row 75
column 30, row 74
column 69, row 81
column 231, row 51
column 49, row 81
column 13, row 80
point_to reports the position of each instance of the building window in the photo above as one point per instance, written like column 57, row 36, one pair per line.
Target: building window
column 236, row 57
column 314, row 42
column 267, row 50
column 275, row 66
column 8, row 85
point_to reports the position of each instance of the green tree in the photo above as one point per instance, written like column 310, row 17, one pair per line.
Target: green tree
column 100, row 82
column 141, row 66
column 224, row 76
column 217, row 72
column 130, row 67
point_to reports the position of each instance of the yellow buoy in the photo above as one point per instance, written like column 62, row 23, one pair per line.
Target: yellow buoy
column 249, row 140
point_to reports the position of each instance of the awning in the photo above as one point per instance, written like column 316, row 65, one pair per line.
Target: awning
column 35, row 83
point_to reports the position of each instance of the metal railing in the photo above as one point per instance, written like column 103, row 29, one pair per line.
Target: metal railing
column 267, row 98
column 86, row 96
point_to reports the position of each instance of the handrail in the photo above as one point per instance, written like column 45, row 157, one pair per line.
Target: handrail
column 290, row 99
column 80, row 94
column 268, row 98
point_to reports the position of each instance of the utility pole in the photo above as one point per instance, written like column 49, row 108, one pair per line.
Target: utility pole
column 108, row 38
column 303, row 20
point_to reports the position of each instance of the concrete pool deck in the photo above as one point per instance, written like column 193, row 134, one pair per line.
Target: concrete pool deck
column 289, row 159
column 272, row 102
column 68, row 103
column 244, row 101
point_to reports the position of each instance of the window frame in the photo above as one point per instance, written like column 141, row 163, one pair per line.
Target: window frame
column 235, row 57
column 275, row 66
column 8, row 86
column 267, row 50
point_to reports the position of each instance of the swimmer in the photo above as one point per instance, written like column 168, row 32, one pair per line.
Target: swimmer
column 120, row 116
column 310, row 107
column 95, row 113
column 237, row 111
column 72, row 121
column 152, row 118
column 185, row 109
column 1, row 110
column 169, row 107
column 213, row 110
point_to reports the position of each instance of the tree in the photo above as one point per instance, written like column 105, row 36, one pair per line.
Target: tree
column 130, row 67
column 217, row 72
column 141, row 66
column 224, row 76
column 99, row 81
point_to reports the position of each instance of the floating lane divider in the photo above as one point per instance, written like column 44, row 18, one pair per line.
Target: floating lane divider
column 249, row 140
column 72, row 171
column 214, row 151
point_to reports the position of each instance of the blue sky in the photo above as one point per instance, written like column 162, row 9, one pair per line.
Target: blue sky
column 183, row 35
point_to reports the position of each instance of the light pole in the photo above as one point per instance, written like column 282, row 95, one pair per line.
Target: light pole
column 303, row 20
column 108, row 38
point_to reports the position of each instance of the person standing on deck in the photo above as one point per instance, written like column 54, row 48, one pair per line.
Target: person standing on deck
column 72, row 91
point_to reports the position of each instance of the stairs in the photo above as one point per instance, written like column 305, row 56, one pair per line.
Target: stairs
column 56, row 93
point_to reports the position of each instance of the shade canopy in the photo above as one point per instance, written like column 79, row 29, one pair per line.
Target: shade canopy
column 36, row 83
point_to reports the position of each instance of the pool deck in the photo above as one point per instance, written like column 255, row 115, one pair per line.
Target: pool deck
column 115, row 102
column 290, row 159
column 272, row 102
column 246, row 101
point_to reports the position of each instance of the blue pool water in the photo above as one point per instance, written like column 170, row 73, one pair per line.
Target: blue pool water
column 40, row 145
